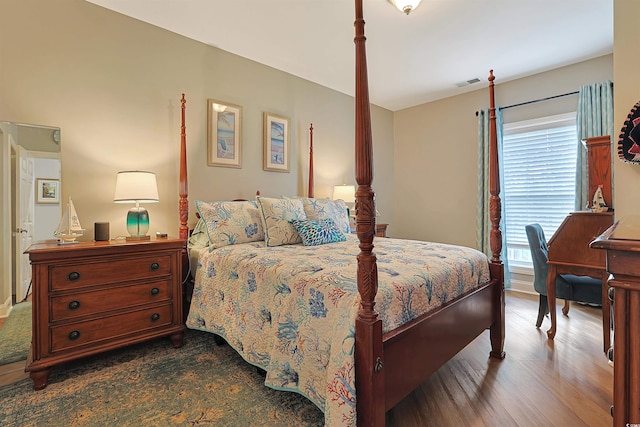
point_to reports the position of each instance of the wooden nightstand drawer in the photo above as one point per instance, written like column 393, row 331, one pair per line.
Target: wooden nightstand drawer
column 80, row 304
column 97, row 273
column 112, row 327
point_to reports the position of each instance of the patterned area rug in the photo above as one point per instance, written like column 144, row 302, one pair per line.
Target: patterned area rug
column 153, row 384
column 15, row 335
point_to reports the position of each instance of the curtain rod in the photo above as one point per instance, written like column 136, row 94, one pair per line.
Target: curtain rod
column 540, row 100
column 536, row 101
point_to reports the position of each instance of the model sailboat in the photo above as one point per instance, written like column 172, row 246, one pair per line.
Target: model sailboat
column 599, row 204
column 69, row 227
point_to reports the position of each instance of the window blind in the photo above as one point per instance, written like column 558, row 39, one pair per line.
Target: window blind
column 539, row 161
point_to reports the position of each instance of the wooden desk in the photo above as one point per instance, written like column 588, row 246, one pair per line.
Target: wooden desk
column 622, row 245
column 569, row 253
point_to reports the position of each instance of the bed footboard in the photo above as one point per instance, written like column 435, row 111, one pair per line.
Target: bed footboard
column 416, row 350
column 497, row 328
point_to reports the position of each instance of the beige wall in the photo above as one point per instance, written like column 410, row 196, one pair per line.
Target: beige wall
column 436, row 149
column 626, row 177
column 113, row 85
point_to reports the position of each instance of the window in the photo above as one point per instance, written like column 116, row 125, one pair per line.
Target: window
column 539, row 164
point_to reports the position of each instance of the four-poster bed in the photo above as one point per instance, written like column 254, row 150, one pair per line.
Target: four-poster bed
column 390, row 361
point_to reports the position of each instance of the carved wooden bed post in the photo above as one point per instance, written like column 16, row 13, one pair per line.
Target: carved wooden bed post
column 183, row 210
column 310, row 192
column 495, row 238
column 183, row 207
column 369, row 361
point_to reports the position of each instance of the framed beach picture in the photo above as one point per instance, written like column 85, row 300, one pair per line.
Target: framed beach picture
column 276, row 143
column 47, row 190
column 224, row 143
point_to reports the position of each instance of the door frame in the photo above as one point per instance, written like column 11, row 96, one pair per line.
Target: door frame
column 8, row 145
column 23, row 221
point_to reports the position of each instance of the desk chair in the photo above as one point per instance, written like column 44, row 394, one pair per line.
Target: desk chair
column 568, row 287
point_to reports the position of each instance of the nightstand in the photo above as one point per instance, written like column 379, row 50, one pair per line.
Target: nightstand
column 381, row 230
column 92, row 297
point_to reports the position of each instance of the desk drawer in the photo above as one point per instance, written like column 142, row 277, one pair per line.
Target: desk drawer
column 96, row 273
column 104, row 300
column 78, row 334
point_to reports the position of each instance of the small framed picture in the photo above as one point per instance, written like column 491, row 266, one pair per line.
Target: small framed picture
column 47, row 190
column 276, row 143
column 224, row 127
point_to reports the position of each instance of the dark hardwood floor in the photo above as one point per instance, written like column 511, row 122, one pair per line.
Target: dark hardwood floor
column 565, row 382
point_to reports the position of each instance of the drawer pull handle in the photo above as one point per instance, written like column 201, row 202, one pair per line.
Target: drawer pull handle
column 74, row 305
column 155, row 291
column 74, row 335
column 155, row 266
column 73, row 276
column 155, row 317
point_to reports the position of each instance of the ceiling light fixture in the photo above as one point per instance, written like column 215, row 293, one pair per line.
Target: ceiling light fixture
column 405, row 6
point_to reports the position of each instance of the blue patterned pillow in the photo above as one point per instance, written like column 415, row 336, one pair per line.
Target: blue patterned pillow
column 318, row 209
column 230, row 223
column 315, row 233
column 276, row 214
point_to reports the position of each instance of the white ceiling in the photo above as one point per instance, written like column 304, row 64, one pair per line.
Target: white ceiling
column 411, row 59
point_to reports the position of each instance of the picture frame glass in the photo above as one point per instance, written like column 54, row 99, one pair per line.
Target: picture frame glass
column 224, row 125
column 47, row 190
column 276, row 143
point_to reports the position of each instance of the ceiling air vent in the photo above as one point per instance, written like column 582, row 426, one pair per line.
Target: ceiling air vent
column 468, row 82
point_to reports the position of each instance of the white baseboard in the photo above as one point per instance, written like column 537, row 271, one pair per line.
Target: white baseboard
column 522, row 286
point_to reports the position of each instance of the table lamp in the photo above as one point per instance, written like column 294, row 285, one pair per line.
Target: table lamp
column 136, row 187
column 347, row 193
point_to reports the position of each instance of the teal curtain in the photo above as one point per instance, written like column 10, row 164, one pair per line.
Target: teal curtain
column 594, row 117
column 483, row 224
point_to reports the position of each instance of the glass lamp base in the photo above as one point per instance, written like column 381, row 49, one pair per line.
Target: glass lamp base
column 138, row 223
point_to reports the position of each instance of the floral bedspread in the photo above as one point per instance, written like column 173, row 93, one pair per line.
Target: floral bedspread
column 291, row 309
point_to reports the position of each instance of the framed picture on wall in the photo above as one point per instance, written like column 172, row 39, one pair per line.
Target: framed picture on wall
column 47, row 190
column 224, row 139
column 276, row 143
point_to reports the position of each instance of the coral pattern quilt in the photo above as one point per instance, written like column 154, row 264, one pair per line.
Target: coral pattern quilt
column 291, row 309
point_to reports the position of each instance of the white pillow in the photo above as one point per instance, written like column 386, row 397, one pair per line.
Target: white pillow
column 276, row 214
column 230, row 223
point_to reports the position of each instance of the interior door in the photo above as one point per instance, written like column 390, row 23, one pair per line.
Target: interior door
column 25, row 207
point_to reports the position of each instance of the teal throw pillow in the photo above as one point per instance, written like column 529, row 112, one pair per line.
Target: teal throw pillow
column 315, row 233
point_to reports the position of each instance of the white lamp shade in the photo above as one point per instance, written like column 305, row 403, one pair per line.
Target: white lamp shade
column 345, row 192
column 136, row 186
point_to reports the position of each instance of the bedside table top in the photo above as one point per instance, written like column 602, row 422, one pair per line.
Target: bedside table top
column 49, row 247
